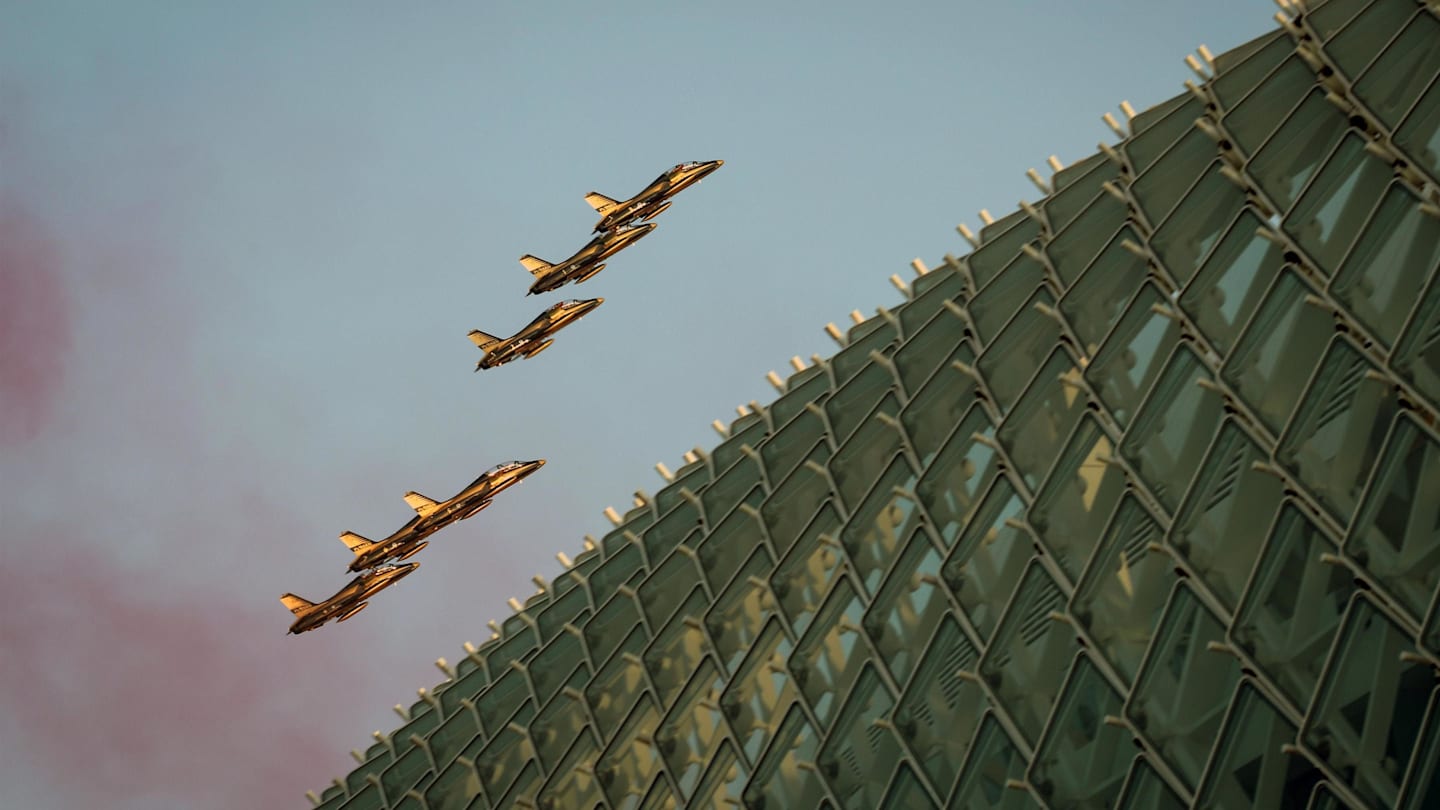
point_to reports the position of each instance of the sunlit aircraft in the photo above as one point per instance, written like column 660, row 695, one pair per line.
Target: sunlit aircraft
column 432, row 516
column 586, row 262
column 535, row 337
column 653, row 199
column 348, row 601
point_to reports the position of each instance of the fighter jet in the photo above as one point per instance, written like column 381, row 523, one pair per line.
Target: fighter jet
column 586, row 262
column 535, row 337
column 653, row 199
column 431, row 516
column 348, row 601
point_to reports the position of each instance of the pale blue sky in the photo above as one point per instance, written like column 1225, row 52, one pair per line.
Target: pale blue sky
column 272, row 225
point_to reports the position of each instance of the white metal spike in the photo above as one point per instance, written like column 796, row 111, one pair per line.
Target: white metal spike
column 1055, row 164
column 899, row 283
column 564, row 559
column 1114, row 125
column 313, row 797
column 835, row 334
column 493, row 625
column 1207, row 56
column 1129, row 110
column 1038, row 180
column 514, row 604
column 444, row 666
column 741, row 410
column 612, row 515
column 690, row 457
column 797, row 364
column 1194, row 64
column 469, row 648
column 589, row 543
column 857, row 316
column 774, row 380
column 968, row 234
column 539, row 581
column 918, row 266
column 639, row 501
column 985, row 217
column 720, row 428
column 664, row 471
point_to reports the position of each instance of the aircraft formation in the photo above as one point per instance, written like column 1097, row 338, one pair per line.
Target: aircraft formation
column 381, row 563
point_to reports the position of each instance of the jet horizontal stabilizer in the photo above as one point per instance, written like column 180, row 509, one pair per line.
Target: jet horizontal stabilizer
column 600, row 202
column 534, row 264
column 422, row 505
column 295, row 603
column 482, row 339
column 355, row 542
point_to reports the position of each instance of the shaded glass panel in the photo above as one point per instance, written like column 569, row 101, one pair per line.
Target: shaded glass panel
column 759, row 690
column 1097, row 299
column 1043, row 418
column 1253, row 120
column 1173, row 428
column 1133, row 354
column 1081, row 760
column 1188, row 235
column 1398, row 250
column 1070, row 511
column 1025, row 661
column 804, row 576
column 1019, row 349
column 1337, row 204
column 781, row 780
column 857, row 753
column 993, row 761
column 993, row 256
column 906, row 609
column 940, row 710
column 1073, row 248
column 987, row 561
column 1276, row 354
column 1419, row 135
column 1001, row 299
column 1249, row 769
column 1230, row 285
column 1289, row 159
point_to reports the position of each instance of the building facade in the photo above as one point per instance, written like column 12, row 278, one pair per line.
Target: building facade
column 1136, row 505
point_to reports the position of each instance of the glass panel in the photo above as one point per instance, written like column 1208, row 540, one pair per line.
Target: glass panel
column 1253, row 120
column 1081, row 760
column 856, row 356
column 1333, row 15
column 1417, row 354
column 1019, row 349
column 609, row 626
column 618, row 684
column 1366, row 720
column 571, row 785
column 1173, row 428
column 993, row 761
column 759, row 690
column 691, row 733
column 679, row 647
column 1277, row 352
column 456, row 786
column 1222, row 525
column 1071, row 509
column 1398, row 250
column 858, row 754
column 552, row 666
column 562, row 721
column 1287, row 161
column 907, row 607
column 789, row 508
column 412, row 769
column 850, row 406
column 1148, row 144
column 874, row 532
column 1133, row 355
column 1043, row 418
column 631, row 760
column 1332, row 210
column 1183, row 688
column 906, row 792
column 1025, row 661
column 723, row 780
column 854, row 466
column 727, row 547
column 663, row 591
column 1145, row 790
column 1335, row 437
column 741, row 610
column 939, row 340
column 781, row 780
column 1158, row 189
column 1392, row 84
column 1192, row 230
column 1230, row 285
column 803, row 387
column 669, row 530
column 1359, row 42
column 1250, row 770
column 956, row 478
column 1397, row 533
column 826, row 662
column 929, row 301
column 939, row 711
column 1081, row 195
column 934, row 410
column 1419, row 135
column 989, row 558
column 992, row 257
column 804, row 576
column 503, row 758
column 1293, row 606
column 1237, row 80
column 1072, row 249
column 730, row 489
column 998, row 302
column 1095, row 302
column 787, row 449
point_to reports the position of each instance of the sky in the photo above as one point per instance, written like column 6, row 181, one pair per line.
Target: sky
column 241, row 246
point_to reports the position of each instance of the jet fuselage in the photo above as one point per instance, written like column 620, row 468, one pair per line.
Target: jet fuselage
column 587, row 260
column 531, row 340
column 655, row 197
column 351, row 598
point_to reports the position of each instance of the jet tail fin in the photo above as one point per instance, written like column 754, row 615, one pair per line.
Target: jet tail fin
column 355, row 542
column 422, row 505
column 295, row 603
column 535, row 265
column 482, row 340
column 600, row 202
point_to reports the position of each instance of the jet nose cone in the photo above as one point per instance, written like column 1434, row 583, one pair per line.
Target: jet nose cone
column 717, row 163
column 539, row 462
column 597, row 301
